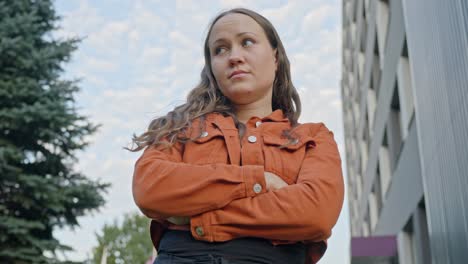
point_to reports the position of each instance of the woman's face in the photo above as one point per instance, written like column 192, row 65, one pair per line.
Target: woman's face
column 242, row 60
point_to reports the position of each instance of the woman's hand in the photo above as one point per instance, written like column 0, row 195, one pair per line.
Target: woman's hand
column 179, row 220
column 273, row 181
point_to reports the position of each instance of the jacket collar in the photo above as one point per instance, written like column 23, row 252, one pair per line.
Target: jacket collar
column 228, row 123
column 276, row 116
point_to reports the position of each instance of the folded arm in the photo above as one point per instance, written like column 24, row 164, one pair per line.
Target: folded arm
column 306, row 210
column 165, row 186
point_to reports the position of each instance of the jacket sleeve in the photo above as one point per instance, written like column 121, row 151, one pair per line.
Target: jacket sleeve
column 164, row 186
column 305, row 211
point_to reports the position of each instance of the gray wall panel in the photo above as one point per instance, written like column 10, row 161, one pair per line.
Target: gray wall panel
column 437, row 41
column 369, row 57
column 395, row 40
column 405, row 191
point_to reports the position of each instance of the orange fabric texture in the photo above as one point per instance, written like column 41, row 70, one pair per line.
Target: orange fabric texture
column 218, row 181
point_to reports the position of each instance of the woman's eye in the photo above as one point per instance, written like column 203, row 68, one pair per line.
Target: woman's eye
column 219, row 50
column 248, row 42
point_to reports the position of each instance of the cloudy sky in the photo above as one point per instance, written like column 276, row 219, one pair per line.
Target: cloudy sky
column 138, row 59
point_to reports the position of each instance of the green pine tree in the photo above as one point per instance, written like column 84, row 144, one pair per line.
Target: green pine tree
column 40, row 133
column 126, row 243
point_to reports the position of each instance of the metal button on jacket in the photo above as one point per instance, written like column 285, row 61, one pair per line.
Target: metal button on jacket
column 199, row 231
column 257, row 188
column 258, row 123
column 252, row 139
column 204, row 134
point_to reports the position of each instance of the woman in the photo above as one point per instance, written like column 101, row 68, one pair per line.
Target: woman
column 231, row 176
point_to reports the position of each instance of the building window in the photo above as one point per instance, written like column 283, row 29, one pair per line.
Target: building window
column 361, row 63
column 413, row 240
column 384, row 167
column 373, row 91
column 349, row 120
column 375, row 201
column 394, row 132
column 347, row 9
column 355, row 227
column 363, row 31
column 359, row 186
column 405, row 90
column 347, row 56
column 355, row 109
column 365, row 147
column 355, row 209
column 371, row 106
column 376, row 70
column 382, row 20
column 378, row 191
column 351, row 85
column 353, row 29
column 421, row 235
column 406, row 244
column 366, row 7
column 373, row 209
column 365, row 224
column 354, row 154
column 362, row 45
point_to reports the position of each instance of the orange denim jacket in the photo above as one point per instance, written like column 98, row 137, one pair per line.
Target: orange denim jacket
column 219, row 182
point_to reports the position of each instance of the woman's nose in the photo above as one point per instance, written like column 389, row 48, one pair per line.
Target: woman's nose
column 236, row 56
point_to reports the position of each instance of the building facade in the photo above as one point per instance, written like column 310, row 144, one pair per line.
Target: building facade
column 405, row 111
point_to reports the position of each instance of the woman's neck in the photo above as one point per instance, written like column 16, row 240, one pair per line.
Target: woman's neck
column 245, row 112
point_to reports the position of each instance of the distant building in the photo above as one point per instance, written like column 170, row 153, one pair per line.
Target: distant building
column 405, row 110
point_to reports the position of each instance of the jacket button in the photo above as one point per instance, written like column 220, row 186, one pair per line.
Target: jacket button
column 257, row 188
column 252, row 139
column 295, row 141
column 204, row 134
column 258, row 123
column 199, row 231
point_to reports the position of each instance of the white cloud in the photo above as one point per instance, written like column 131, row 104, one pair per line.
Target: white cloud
column 280, row 15
column 144, row 20
column 314, row 19
column 180, row 40
column 80, row 22
column 99, row 65
column 150, row 56
column 226, row 4
column 328, row 92
column 110, row 38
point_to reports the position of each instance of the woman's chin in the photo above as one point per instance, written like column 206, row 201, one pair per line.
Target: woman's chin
column 238, row 91
column 240, row 95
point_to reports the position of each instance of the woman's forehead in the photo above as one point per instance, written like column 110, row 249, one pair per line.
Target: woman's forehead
column 234, row 24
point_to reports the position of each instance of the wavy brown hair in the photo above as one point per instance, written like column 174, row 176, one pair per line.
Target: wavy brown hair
column 206, row 97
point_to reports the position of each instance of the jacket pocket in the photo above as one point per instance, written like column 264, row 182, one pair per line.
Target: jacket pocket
column 284, row 157
column 209, row 148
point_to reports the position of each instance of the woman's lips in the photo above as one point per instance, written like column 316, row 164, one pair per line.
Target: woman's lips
column 237, row 74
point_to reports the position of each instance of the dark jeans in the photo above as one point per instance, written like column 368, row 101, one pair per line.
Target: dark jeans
column 180, row 247
column 165, row 258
